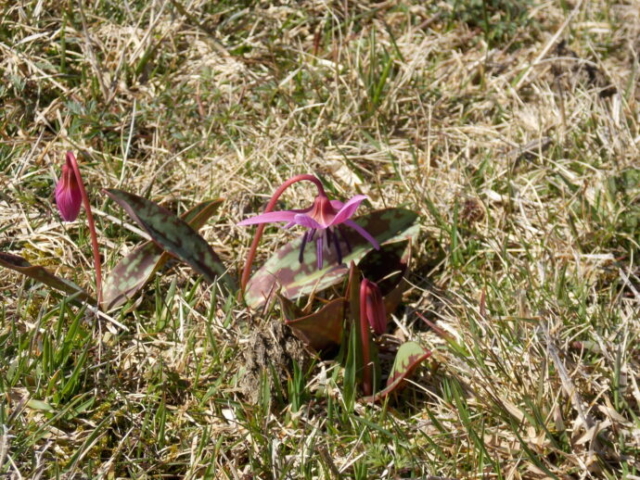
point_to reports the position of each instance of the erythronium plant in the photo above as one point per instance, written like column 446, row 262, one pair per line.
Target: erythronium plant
column 372, row 316
column 171, row 236
column 174, row 235
column 132, row 272
column 297, row 273
column 378, row 243
column 368, row 317
column 70, row 195
column 324, row 220
column 284, row 273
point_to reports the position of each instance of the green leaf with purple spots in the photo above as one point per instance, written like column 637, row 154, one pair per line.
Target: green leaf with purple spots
column 137, row 268
column 19, row 264
column 321, row 330
column 410, row 355
column 283, row 271
column 173, row 235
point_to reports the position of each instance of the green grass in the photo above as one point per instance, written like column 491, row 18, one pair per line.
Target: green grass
column 526, row 177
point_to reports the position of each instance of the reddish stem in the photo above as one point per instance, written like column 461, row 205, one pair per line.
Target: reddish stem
column 367, row 374
column 92, row 226
column 270, row 206
column 434, row 327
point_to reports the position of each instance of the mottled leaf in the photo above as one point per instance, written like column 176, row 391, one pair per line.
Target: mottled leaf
column 410, row 355
column 284, row 272
column 19, row 264
column 173, row 234
column 131, row 274
column 137, row 268
column 321, row 330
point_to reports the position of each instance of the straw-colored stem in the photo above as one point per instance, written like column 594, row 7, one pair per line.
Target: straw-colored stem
column 270, row 206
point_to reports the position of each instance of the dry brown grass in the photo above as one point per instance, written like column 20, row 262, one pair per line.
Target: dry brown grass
column 520, row 153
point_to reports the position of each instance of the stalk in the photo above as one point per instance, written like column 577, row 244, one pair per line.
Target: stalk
column 92, row 226
column 367, row 374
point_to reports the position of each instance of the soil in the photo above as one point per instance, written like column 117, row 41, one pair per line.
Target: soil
column 272, row 349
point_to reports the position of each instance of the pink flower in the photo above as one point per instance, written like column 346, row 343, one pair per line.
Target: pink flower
column 372, row 306
column 68, row 194
column 323, row 217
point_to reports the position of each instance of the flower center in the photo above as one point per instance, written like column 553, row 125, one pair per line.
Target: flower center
column 322, row 211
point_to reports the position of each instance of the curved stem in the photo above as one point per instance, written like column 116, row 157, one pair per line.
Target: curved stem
column 270, row 206
column 92, row 226
column 367, row 384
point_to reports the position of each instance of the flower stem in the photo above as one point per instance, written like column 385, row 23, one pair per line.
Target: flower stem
column 367, row 386
column 92, row 226
column 270, row 206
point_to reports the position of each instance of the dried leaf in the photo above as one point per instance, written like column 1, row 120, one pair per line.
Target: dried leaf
column 321, row 330
column 19, row 264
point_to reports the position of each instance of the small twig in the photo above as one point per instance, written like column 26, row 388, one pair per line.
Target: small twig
column 127, row 225
column 567, row 385
column 125, row 157
column 627, row 281
column 326, row 458
column 108, row 318
column 4, row 444
column 552, row 41
column 440, row 332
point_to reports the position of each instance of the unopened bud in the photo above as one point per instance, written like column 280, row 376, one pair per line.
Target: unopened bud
column 372, row 304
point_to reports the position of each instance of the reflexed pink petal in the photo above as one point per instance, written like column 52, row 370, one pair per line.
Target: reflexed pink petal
column 348, row 209
column 308, row 222
column 67, row 193
column 363, row 232
column 337, row 204
column 284, row 216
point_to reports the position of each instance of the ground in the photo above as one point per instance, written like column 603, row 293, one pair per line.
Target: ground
column 510, row 127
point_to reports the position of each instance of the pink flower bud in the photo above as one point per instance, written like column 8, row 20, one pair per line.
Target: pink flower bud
column 372, row 306
column 68, row 194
